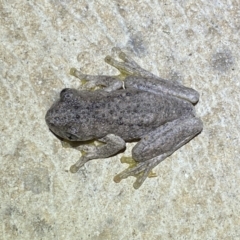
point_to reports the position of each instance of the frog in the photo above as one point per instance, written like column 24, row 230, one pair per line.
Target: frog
column 134, row 106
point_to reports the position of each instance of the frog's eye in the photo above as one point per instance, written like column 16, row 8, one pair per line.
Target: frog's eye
column 63, row 92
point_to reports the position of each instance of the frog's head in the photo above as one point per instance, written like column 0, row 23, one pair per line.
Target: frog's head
column 62, row 119
column 59, row 121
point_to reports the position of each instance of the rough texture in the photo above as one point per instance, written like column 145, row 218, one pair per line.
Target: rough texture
column 142, row 111
column 196, row 194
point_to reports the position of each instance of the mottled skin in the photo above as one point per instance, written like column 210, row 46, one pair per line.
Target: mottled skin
column 157, row 112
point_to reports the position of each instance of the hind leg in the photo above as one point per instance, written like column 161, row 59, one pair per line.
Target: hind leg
column 128, row 66
column 158, row 145
column 110, row 83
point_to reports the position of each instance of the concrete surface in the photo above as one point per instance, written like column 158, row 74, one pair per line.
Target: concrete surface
column 196, row 194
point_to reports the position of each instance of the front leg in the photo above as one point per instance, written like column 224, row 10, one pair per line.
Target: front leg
column 111, row 145
column 110, row 83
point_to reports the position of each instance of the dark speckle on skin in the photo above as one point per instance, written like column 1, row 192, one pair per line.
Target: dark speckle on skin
column 157, row 113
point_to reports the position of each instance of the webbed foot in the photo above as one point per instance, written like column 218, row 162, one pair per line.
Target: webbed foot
column 128, row 67
column 140, row 170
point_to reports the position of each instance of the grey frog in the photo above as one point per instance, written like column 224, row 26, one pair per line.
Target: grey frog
column 157, row 113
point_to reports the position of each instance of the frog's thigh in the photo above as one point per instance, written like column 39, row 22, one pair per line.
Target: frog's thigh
column 166, row 139
column 159, row 86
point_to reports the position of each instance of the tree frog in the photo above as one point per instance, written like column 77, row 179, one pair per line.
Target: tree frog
column 134, row 106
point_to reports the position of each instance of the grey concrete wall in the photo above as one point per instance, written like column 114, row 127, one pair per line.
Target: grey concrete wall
column 196, row 193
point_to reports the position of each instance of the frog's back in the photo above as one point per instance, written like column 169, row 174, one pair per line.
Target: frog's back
column 126, row 113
